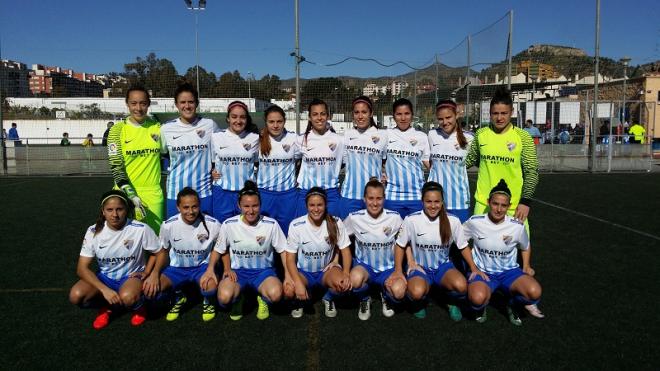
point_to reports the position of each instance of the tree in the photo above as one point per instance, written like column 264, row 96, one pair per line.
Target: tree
column 231, row 85
column 158, row 75
column 207, row 81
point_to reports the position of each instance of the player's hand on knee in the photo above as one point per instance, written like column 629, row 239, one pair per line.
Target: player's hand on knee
column 529, row 270
column 479, row 273
column 206, row 279
column 301, row 291
column 111, row 296
column 231, row 275
column 151, row 285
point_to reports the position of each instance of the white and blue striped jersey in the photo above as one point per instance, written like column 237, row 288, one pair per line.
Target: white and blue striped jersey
column 234, row 157
column 404, row 168
column 191, row 155
column 423, row 235
column 120, row 253
column 277, row 171
column 363, row 156
column 251, row 246
column 189, row 245
column 495, row 246
column 321, row 160
column 448, row 167
column 374, row 238
column 311, row 243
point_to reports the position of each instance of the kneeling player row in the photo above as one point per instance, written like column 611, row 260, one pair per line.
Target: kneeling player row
column 403, row 257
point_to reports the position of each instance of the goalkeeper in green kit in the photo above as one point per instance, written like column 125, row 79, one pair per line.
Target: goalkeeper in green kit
column 134, row 156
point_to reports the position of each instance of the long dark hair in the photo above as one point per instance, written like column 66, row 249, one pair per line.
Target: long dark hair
column 100, row 220
column 250, row 126
column 445, row 227
column 366, row 100
column 314, row 102
column 450, row 104
column 249, row 189
column 330, row 222
column 402, row 102
column 187, row 191
column 264, row 137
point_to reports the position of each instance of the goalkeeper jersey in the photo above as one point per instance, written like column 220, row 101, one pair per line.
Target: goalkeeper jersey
column 134, row 153
column 508, row 155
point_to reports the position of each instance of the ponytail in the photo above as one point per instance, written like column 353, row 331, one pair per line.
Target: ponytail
column 450, row 104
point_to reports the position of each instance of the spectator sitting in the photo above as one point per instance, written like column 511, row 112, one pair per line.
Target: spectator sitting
column 89, row 141
column 65, row 140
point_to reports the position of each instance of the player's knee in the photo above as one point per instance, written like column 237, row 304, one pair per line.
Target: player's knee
column 534, row 291
column 398, row 290
column 225, row 296
column 460, row 285
column 274, row 294
column 416, row 292
column 129, row 298
column 478, row 297
column 357, row 280
column 75, row 296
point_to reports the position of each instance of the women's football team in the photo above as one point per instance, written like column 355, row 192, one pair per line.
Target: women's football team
column 251, row 212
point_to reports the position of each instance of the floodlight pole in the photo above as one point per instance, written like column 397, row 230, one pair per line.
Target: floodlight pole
column 594, row 113
column 510, row 51
column 625, row 61
column 201, row 5
column 299, row 60
column 249, row 90
column 467, row 92
column 3, row 138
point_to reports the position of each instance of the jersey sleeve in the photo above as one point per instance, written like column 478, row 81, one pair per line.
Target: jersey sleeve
column 87, row 249
column 457, row 234
column 278, row 241
column 164, row 236
column 523, row 238
column 426, row 148
column 348, row 224
column 221, row 244
column 115, row 157
column 292, row 240
column 530, row 168
column 404, row 233
column 342, row 239
column 150, row 242
column 299, row 146
column 472, row 157
column 468, row 233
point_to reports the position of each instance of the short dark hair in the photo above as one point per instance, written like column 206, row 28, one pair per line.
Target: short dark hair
column 138, row 88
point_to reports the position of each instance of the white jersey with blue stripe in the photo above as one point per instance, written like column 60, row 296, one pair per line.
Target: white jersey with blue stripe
column 406, row 151
column 423, row 235
column 311, row 243
column 448, row 167
column 321, row 160
column 120, row 253
column 191, row 155
column 251, row 246
column 495, row 246
column 363, row 156
column 234, row 157
column 374, row 237
column 277, row 170
column 189, row 245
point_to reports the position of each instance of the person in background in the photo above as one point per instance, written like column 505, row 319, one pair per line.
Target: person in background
column 88, row 141
column 533, row 131
column 65, row 140
column 636, row 131
column 13, row 133
column 104, row 141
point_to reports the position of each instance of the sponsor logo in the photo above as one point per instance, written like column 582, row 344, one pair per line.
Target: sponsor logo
column 456, row 146
column 112, row 149
column 128, row 141
column 481, row 145
column 436, row 144
column 363, row 232
column 306, row 242
column 237, row 241
column 177, row 240
column 481, row 238
column 310, row 149
column 175, row 138
column 102, row 247
column 353, row 138
column 420, row 234
column 392, row 141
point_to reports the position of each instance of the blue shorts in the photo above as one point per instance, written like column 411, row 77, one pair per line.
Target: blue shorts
column 225, row 203
column 111, row 283
column 433, row 276
column 404, row 208
column 181, row 275
column 502, row 280
column 253, row 277
column 374, row 277
column 280, row 206
column 462, row 214
column 348, row 205
column 205, row 205
column 332, row 206
column 314, row 279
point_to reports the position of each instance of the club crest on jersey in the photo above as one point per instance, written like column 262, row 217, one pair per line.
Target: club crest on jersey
column 201, row 132
column 155, row 137
column 247, row 146
column 286, row 147
column 456, row 146
column 327, row 240
column 387, row 230
column 128, row 244
column 375, row 139
column 261, row 240
column 202, row 237
column 332, row 146
column 507, row 238
column 413, row 142
column 511, row 146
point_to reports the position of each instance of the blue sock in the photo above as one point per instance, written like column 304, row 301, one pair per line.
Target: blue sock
column 519, row 299
column 477, row 308
column 265, row 299
column 138, row 304
column 390, row 298
column 330, row 295
column 362, row 292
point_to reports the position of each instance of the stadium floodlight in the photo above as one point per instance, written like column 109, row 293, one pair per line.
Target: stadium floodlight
column 625, row 61
column 201, row 5
column 250, row 89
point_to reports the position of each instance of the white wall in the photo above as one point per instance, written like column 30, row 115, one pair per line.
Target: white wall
column 50, row 131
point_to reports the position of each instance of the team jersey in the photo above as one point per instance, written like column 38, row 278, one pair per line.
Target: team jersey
column 321, row 160
column 509, row 155
column 374, row 238
column 134, row 153
column 363, row 156
column 404, row 168
column 251, row 246
column 448, row 167
column 120, row 253
column 234, row 157
column 277, row 171
column 423, row 235
column 311, row 243
column 495, row 246
column 188, row 245
column 189, row 146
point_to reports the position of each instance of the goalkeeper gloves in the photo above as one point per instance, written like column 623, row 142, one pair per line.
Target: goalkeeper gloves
column 140, row 210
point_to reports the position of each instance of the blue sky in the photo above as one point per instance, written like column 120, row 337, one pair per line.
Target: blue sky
column 99, row 36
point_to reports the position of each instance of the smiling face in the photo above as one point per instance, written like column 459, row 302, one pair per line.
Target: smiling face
column 403, row 117
column 275, row 124
column 500, row 116
column 187, row 106
column 316, row 209
column 188, row 206
column 237, row 119
column 318, row 116
column 138, row 105
column 446, row 120
column 374, row 199
column 432, row 201
column 362, row 115
column 498, row 205
column 115, row 213
column 249, row 205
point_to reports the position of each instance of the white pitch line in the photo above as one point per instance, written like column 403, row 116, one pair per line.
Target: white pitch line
column 43, row 289
column 598, row 219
